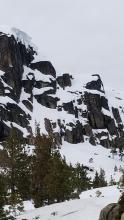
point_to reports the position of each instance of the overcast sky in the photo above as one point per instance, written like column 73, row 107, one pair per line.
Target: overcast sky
column 78, row 36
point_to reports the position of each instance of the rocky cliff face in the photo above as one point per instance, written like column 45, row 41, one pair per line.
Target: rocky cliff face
column 30, row 90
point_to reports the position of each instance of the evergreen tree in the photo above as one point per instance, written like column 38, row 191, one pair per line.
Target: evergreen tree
column 112, row 181
column 18, row 172
column 121, row 154
column 99, row 179
column 3, row 192
column 121, row 169
column 13, row 146
column 121, row 182
column 115, row 169
column 58, row 181
column 81, row 181
column 103, row 182
column 24, row 175
column 96, row 181
column 43, row 149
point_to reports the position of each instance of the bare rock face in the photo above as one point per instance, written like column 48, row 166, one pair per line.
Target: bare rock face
column 47, row 101
column 95, row 103
column 14, row 56
column 75, row 135
column 44, row 67
column 64, row 80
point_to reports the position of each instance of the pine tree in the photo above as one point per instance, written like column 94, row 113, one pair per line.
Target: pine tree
column 3, row 192
column 12, row 146
column 115, row 169
column 99, row 179
column 112, row 181
column 121, row 169
column 18, row 172
column 121, row 182
column 24, row 174
column 121, row 153
column 96, row 181
column 58, row 181
column 103, row 182
column 43, row 149
column 81, row 181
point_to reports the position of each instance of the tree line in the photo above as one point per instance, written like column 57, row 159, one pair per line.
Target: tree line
column 43, row 176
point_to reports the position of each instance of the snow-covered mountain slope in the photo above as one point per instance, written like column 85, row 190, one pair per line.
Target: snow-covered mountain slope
column 87, row 207
column 65, row 107
column 71, row 111
column 101, row 158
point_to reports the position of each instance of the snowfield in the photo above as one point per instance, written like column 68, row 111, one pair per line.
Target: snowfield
column 88, row 207
column 102, row 158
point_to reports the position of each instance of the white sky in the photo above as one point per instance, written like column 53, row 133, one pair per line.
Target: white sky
column 78, row 36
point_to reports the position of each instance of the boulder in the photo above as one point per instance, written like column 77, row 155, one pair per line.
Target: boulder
column 64, row 80
column 110, row 212
column 122, row 217
column 95, row 84
column 69, row 107
column 105, row 142
column 114, row 211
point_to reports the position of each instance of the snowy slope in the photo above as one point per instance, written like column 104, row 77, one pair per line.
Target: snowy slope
column 86, row 208
column 102, row 158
